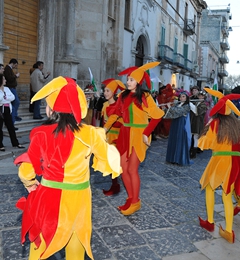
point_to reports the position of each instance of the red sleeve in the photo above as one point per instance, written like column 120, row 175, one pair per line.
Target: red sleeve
column 151, row 126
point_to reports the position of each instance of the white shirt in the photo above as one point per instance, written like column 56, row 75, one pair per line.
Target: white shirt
column 6, row 97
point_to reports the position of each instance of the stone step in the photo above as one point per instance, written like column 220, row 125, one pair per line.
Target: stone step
column 24, row 127
column 27, row 123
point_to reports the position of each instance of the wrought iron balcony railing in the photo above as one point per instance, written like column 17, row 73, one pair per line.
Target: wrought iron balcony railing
column 165, row 53
column 189, row 27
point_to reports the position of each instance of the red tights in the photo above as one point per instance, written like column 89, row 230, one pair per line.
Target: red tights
column 130, row 175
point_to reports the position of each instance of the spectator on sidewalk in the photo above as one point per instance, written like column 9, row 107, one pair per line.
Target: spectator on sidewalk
column 11, row 83
column 6, row 97
column 31, row 105
column 38, row 78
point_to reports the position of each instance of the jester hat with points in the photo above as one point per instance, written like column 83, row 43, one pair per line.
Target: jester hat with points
column 139, row 73
column 65, row 96
column 224, row 105
column 114, row 85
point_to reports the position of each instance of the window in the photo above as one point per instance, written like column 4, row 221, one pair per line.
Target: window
column 127, row 14
column 162, row 41
column 185, row 51
column 175, row 45
column 185, row 54
column 186, row 11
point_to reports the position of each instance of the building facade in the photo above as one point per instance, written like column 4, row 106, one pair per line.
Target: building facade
column 214, row 44
column 104, row 35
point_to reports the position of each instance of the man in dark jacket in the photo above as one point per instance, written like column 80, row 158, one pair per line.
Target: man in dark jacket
column 11, row 82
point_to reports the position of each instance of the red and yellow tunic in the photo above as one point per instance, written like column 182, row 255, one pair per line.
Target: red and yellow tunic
column 112, row 134
column 224, row 166
column 136, row 123
column 61, row 204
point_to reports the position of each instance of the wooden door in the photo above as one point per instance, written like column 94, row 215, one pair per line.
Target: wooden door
column 20, row 35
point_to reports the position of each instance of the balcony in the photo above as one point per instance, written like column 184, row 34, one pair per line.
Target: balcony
column 224, row 58
column 178, row 60
column 189, row 27
column 188, row 65
column 225, row 45
column 165, row 53
column 222, row 73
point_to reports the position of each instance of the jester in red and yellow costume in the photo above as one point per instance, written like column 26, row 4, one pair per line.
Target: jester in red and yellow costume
column 110, row 89
column 221, row 135
column 57, row 211
column 135, row 106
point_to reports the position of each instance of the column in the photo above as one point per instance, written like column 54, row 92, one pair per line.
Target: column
column 2, row 46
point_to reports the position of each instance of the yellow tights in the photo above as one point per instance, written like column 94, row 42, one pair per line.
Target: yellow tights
column 228, row 209
column 228, row 206
column 74, row 249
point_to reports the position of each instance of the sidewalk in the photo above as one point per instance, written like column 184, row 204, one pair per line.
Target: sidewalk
column 166, row 228
column 10, row 151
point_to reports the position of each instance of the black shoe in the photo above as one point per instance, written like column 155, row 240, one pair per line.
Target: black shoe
column 2, row 149
column 39, row 117
column 19, row 146
column 15, row 128
column 17, row 118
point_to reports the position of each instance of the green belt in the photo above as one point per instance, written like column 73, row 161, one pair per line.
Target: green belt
column 136, row 125
column 113, row 131
column 65, row 186
column 226, row 153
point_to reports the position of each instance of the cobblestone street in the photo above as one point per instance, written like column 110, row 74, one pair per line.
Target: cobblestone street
column 166, row 228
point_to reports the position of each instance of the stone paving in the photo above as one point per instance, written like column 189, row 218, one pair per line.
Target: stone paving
column 166, row 228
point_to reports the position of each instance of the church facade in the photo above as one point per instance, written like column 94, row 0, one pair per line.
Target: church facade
column 104, row 35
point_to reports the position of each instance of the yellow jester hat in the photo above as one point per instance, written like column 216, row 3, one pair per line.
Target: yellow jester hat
column 114, row 85
column 224, row 105
column 65, row 96
column 139, row 73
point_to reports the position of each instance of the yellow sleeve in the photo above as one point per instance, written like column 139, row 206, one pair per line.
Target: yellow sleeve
column 153, row 110
column 106, row 157
column 27, row 174
column 208, row 141
column 111, row 120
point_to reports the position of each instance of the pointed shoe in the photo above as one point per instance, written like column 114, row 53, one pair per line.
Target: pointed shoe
column 132, row 209
column 236, row 210
column 126, row 205
column 207, row 225
column 115, row 189
column 230, row 237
